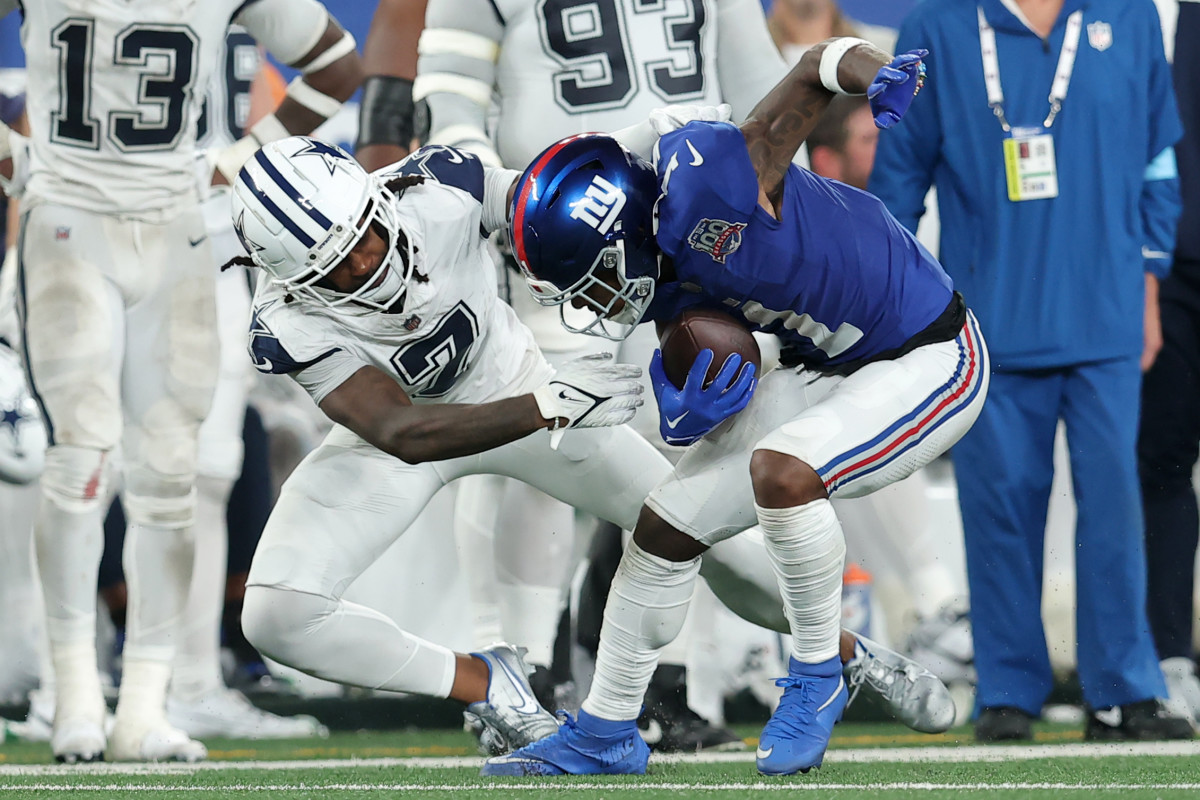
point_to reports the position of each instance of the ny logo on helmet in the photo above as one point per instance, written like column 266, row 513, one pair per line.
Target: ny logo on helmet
column 600, row 205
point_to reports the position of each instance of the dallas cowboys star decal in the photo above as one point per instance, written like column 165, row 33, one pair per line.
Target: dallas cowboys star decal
column 239, row 227
column 9, row 418
column 332, row 156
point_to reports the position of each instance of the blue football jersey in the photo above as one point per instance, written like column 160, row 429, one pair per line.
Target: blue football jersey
column 838, row 279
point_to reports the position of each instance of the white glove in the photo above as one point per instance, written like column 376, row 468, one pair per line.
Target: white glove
column 590, row 392
column 671, row 118
column 15, row 146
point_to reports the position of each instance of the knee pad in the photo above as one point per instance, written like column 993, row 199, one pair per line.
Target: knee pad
column 275, row 620
column 76, row 478
column 160, row 479
column 162, row 501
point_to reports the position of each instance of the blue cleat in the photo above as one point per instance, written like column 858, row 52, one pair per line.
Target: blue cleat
column 584, row 746
column 795, row 738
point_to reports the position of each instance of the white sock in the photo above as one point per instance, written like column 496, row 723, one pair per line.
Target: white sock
column 197, row 667
column 808, row 552
column 530, row 615
column 68, row 546
column 158, row 574
column 143, row 691
column 476, row 509
column 647, row 604
column 534, row 552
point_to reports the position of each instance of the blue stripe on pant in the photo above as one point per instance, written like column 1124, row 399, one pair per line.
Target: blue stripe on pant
column 1004, row 468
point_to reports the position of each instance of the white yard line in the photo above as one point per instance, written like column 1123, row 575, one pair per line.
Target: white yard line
column 781, row 786
column 864, row 755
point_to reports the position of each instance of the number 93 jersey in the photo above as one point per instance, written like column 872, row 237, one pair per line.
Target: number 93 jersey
column 452, row 341
column 115, row 89
column 574, row 66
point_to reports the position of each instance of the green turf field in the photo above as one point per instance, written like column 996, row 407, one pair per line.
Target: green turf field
column 866, row 760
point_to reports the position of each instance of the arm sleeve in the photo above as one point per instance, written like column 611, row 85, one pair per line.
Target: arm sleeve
column 496, row 183
column 289, row 29
column 908, row 152
column 748, row 63
column 456, row 72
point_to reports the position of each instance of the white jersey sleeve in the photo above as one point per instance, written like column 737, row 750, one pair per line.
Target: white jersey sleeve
column 289, row 29
column 748, row 62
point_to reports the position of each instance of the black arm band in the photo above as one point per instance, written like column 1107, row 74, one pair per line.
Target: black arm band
column 386, row 113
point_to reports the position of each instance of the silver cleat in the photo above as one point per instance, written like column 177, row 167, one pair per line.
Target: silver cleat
column 511, row 717
column 912, row 693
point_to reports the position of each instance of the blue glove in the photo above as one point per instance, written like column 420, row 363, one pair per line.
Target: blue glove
column 895, row 86
column 687, row 414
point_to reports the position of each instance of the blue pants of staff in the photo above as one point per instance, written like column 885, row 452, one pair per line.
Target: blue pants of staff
column 1004, row 467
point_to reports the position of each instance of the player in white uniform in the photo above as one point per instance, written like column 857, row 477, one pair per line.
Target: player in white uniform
column 199, row 702
column 379, row 301
column 558, row 68
column 116, row 300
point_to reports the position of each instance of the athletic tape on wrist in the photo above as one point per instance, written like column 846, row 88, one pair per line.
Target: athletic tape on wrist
column 342, row 47
column 315, row 101
column 832, row 57
column 229, row 160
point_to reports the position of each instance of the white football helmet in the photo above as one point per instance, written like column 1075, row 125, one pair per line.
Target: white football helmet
column 22, row 434
column 301, row 205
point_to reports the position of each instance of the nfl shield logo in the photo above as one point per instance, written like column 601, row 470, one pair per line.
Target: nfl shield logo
column 1099, row 35
column 62, row 233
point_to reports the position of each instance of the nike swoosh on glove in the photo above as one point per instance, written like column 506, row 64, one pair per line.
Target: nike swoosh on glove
column 895, row 86
column 687, row 414
column 592, row 391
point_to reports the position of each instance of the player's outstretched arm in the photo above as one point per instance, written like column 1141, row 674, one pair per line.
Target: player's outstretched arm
column 374, row 406
column 588, row 392
column 782, row 120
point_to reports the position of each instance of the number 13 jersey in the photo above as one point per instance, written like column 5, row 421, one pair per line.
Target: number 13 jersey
column 115, row 89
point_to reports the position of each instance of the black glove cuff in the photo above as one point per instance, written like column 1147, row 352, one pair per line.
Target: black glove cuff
column 386, row 113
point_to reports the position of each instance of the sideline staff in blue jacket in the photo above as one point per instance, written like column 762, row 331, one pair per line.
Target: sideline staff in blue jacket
column 1048, row 129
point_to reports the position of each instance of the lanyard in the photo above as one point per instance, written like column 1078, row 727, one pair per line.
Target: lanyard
column 1062, row 74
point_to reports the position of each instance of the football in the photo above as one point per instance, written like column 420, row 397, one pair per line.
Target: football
column 697, row 329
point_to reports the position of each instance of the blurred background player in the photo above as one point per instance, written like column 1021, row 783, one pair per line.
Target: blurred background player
column 115, row 97
column 554, row 69
column 1169, row 437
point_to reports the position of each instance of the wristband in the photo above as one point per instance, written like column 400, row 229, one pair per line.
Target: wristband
column 342, row 47
column 229, row 160
column 315, row 101
column 385, row 115
column 831, row 57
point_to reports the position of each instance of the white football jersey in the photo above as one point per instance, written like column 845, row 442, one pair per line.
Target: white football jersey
column 452, row 342
column 226, row 106
column 564, row 67
column 115, row 89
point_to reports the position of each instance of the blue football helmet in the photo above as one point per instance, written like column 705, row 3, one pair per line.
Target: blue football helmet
column 583, row 207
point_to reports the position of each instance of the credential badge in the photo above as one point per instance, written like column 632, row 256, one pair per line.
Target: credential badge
column 1100, row 35
column 718, row 238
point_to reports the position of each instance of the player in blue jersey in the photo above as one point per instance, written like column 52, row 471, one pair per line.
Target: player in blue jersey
column 884, row 369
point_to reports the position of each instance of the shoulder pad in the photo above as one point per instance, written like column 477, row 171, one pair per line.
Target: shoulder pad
column 448, row 166
column 268, row 353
